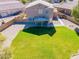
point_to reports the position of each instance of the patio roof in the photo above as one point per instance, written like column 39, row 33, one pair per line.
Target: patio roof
column 10, row 5
column 39, row 2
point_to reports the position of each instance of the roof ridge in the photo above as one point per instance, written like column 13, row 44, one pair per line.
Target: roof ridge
column 40, row 2
column 7, row 2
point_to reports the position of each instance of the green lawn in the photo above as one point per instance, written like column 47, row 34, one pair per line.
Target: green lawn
column 45, row 43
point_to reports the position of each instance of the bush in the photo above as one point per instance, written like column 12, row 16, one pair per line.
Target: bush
column 5, row 53
column 2, row 38
column 25, row 1
column 75, row 12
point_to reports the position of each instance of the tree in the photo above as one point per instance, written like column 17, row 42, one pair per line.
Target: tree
column 75, row 12
column 25, row 1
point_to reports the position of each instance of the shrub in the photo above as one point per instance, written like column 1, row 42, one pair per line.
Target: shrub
column 75, row 12
column 2, row 38
column 25, row 1
column 5, row 53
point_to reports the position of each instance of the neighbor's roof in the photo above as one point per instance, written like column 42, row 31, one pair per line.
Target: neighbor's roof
column 7, row 0
column 10, row 5
column 39, row 2
column 67, row 5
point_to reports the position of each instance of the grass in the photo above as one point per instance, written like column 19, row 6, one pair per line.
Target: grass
column 34, row 44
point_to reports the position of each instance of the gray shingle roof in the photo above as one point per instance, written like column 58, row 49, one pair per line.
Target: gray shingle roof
column 67, row 5
column 7, row 0
column 10, row 5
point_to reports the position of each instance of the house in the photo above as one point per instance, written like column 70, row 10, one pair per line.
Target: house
column 10, row 8
column 39, row 12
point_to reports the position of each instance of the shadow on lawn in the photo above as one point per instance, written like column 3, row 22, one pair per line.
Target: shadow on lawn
column 40, row 30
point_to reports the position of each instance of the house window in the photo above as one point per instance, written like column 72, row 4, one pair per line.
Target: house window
column 3, row 14
column 40, row 11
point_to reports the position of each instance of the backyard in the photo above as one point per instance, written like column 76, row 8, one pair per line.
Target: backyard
column 45, row 43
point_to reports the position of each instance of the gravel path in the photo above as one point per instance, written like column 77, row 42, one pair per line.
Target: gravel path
column 75, row 57
column 10, row 33
column 69, row 24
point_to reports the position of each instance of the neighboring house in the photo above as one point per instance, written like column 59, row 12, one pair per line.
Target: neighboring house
column 54, row 1
column 66, row 7
column 10, row 8
column 7, row 0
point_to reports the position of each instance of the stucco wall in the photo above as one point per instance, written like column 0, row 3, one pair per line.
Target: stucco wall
column 34, row 10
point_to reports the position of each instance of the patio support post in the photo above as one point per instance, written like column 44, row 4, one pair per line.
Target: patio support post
column 50, row 20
